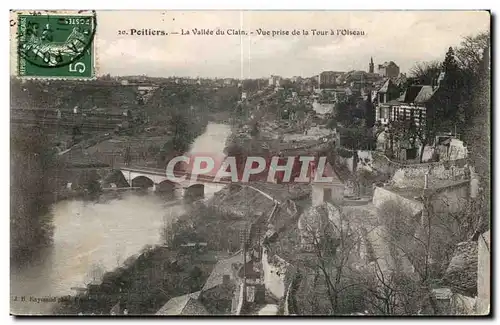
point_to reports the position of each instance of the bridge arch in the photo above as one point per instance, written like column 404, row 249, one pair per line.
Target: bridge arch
column 196, row 191
column 165, row 187
column 142, row 181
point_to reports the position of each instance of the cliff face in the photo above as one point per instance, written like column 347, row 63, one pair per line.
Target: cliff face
column 461, row 273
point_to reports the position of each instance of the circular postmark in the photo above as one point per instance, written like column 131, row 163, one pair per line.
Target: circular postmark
column 51, row 40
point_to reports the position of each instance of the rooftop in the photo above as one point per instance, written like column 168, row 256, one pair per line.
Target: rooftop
column 223, row 267
column 183, row 305
column 385, row 86
column 386, row 64
column 418, row 94
column 424, row 94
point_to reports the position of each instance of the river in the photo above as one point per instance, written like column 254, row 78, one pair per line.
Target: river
column 93, row 237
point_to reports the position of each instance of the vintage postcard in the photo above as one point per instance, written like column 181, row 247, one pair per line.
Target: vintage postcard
column 187, row 163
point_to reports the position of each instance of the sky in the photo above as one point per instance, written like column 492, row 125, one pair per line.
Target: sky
column 405, row 37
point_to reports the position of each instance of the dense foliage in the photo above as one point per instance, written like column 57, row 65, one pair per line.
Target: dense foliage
column 32, row 161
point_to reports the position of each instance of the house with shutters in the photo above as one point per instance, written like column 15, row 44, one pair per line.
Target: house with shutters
column 417, row 102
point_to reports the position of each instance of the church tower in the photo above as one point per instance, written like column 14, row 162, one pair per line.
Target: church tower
column 372, row 66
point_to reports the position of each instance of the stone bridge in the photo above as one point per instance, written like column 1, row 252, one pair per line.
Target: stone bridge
column 157, row 179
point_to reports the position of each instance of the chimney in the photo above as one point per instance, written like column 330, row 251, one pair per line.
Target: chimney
column 426, row 181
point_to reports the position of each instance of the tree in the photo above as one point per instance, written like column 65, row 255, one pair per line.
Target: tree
column 424, row 240
column 357, row 138
column 342, row 111
column 182, row 138
column 255, row 128
column 452, row 84
column 443, row 107
column 391, row 292
column 33, row 165
column 424, row 73
column 478, row 116
column 413, row 242
column 407, row 235
column 332, row 123
column 478, row 136
column 469, row 56
column 454, row 107
column 333, row 246
column 127, row 158
column 369, row 113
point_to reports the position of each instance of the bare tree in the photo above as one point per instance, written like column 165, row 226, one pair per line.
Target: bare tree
column 425, row 72
column 470, row 52
column 420, row 239
column 333, row 247
column 393, row 292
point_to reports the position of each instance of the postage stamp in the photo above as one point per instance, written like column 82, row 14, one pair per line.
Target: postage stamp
column 52, row 44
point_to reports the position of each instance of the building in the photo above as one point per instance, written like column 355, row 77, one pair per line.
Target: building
column 328, row 79
column 388, row 69
column 275, row 81
column 417, row 103
column 332, row 191
column 358, row 80
column 381, row 97
column 371, row 66
column 217, row 295
column 183, row 305
column 389, row 91
column 445, row 191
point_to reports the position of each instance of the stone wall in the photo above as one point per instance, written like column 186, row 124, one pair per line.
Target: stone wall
column 413, row 175
column 447, row 200
column 455, row 169
column 451, row 199
column 276, row 271
column 382, row 195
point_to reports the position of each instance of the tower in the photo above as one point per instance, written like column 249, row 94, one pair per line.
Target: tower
column 372, row 66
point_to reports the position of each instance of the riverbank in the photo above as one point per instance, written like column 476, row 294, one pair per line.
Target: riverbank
column 99, row 234
column 76, row 177
column 143, row 284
